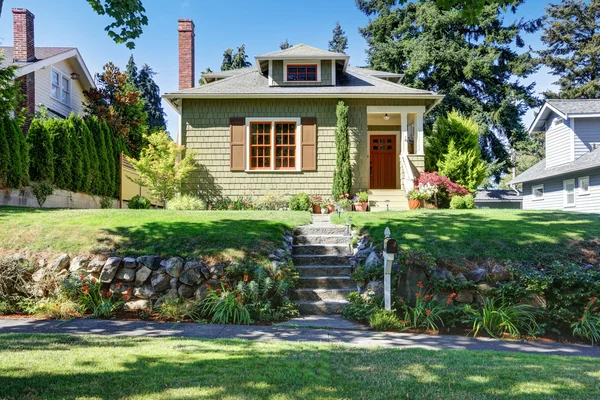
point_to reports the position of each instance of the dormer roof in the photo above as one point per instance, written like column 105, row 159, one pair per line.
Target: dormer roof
column 303, row 52
column 565, row 108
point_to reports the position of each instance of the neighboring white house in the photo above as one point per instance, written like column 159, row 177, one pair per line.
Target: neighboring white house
column 569, row 177
column 53, row 76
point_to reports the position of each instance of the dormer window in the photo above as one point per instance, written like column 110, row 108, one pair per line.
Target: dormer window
column 302, row 72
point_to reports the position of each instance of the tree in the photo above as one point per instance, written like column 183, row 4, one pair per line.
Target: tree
column 152, row 101
column 227, row 63
column 83, row 136
column 92, row 152
column 342, row 175
column 285, row 45
column 463, row 167
column 77, row 170
column 240, row 59
column 41, row 152
column 8, row 87
column 111, row 181
column 571, row 34
column 101, row 177
column 163, row 167
column 471, row 9
column 5, row 158
column 339, row 43
column 129, row 16
column 14, row 169
column 527, row 153
column 132, row 71
column 116, row 101
column 22, row 150
column 63, row 158
column 474, row 65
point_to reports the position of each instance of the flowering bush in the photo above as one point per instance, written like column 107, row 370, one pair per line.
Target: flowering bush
column 317, row 200
column 423, row 192
column 426, row 313
column 344, row 200
column 588, row 326
column 99, row 303
column 443, row 183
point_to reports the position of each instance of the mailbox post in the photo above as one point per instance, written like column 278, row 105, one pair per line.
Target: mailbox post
column 390, row 249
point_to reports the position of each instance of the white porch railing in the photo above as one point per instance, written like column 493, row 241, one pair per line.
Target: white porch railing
column 409, row 177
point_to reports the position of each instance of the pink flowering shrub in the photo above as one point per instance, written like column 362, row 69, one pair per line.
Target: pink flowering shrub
column 442, row 182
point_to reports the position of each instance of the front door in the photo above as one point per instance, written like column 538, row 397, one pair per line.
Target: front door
column 383, row 161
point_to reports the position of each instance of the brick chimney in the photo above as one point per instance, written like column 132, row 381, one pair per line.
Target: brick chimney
column 24, row 43
column 186, row 54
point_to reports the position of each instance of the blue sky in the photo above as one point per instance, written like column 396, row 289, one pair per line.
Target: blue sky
column 260, row 25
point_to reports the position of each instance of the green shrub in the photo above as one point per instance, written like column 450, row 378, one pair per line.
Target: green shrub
column 383, row 321
column 300, row 202
column 272, row 201
column 186, row 202
column 426, row 314
column 106, row 202
column 41, row 191
column 226, row 307
column 462, row 202
column 88, row 293
column 41, row 152
column 177, row 310
column 101, row 184
column 58, row 307
column 362, row 306
column 23, row 151
column 139, row 203
column 588, row 326
column 469, row 201
column 14, row 275
column 77, row 173
column 498, row 318
column 6, row 161
column 15, row 166
column 63, row 156
column 111, row 177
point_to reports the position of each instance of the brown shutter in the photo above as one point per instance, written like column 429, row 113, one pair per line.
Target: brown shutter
column 238, row 141
column 309, row 143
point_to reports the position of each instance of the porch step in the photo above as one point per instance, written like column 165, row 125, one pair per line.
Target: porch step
column 322, row 239
column 321, row 307
column 320, row 294
column 324, row 270
column 311, row 259
column 321, row 229
column 326, row 282
column 321, row 249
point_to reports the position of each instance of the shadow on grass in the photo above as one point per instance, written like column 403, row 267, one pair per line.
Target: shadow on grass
column 190, row 369
column 523, row 236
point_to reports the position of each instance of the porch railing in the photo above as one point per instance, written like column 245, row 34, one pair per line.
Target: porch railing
column 409, row 177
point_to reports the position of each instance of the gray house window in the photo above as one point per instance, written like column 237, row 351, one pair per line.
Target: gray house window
column 537, row 192
column 569, row 189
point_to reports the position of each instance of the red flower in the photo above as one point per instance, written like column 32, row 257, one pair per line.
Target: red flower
column 223, row 277
column 593, row 299
column 219, row 291
column 81, row 277
column 109, row 293
column 207, row 286
column 85, row 289
column 245, row 278
column 118, row 285
column 420, row 284
column 239, row 298
column 418, row 295
column 427, row 312
column 452, row 295
column 125, row 297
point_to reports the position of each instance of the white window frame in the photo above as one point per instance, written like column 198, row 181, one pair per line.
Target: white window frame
column 534, row 188
column 61, row 77
column 273, row 121
column 581, row 192
column 566, row 194
column 287, row 62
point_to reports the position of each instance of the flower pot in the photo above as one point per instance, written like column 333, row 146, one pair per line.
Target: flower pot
column 316, row 208
column 413, row 204
column 323, row 210
column 361, row 207
column 330, row 209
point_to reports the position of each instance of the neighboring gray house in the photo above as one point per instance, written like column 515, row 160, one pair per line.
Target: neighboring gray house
column 569, row 177
column 498, row 198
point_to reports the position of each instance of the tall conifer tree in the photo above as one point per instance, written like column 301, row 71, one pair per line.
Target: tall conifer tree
column 41, row 152
column 339, row 43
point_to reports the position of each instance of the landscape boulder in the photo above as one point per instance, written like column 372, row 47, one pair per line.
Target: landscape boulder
column 129, row 263
column 174, row 266
column 110, row 269
column 442, row 274
column 79, row 263
column 59, row 263
column 138, row 305
column 126, row 274
column 96, row 264
column 373, row 261
column 477, row 275
column 186, row 291
column 143, row 292
column 375, row 287
column 142, row 275
column 461, row 278
column 152, row 262
column 161, row 283
column 192, row 273
column 464, row 296
column 500, row 273
column 407, row 284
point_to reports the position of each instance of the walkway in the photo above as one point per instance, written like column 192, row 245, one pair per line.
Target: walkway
column 271, row 333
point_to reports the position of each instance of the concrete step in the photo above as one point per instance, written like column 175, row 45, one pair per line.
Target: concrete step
column 326, row 282
column 322, row 239
column 324, row 229
column 311, row 259
column 392, row 207
column 321, row 249
column 321, row 307
column 320, row 294
column 324, row 270
column 321, row 218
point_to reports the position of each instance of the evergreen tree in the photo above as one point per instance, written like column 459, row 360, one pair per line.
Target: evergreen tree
column 152, row 101
column 227, row 63
column 5, row 158
column 571, row 34
column 110, row 156
column 15, row 169
column 463, row 167
column 285, row 45
column 8, row 87
column 240, row 59
column 23, row 152
column 92, row 153
column 84, row 148
column 101, row 178
column 41, row 152
column 476, row 66
column 339, row 43
column 63, row 158
column 77, row 174
column 342, row 175
column 132, row 71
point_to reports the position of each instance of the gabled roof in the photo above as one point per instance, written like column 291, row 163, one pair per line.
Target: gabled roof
column 566, row 108
column 392, row 77
column 46, row 56
column 539, row 171
column 303, row 52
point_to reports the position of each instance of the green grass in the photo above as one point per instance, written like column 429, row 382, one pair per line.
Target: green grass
column 93, row 367
column 503, row 235
column 139, row 232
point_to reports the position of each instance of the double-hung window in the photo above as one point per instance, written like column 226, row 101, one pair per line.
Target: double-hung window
column 273, row 145
column 60, row 87
column 584, row 185
column 55, row 92
column 569, row 190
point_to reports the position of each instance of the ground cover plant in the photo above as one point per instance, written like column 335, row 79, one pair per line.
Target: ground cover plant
column 226, row 234
column 534, row 237
column 59, row 366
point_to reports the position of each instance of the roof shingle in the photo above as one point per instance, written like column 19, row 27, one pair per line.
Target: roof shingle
column 539, row 171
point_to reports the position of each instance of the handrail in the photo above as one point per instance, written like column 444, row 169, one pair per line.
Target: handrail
column 409, row 177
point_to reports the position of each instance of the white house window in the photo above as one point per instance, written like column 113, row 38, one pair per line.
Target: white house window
column 273, row 144
column 537, row 192
column 584, row 185
column 569, row 189
column 60, row 87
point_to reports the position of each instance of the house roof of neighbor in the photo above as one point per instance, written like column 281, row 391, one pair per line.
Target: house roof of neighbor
column 498, row 195
column 565, row 108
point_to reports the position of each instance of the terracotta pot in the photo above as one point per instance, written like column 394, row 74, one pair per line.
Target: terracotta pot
column 316, row 208
column 361, row 207
column 330, row 209
column 413, row 204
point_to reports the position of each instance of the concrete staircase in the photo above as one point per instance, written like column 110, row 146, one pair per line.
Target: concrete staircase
column 320, row 254
column 397, row 199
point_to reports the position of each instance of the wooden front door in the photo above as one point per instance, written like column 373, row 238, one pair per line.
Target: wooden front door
column 383, row 161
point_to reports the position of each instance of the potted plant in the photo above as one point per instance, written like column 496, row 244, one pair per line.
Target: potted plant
column 361, row 201
column 414, row 199
column 330, row 204
column 316, row 204
column 345, row 202
column 422, row 193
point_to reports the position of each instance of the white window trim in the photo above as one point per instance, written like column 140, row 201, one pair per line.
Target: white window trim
column 565, row 193
column 273, row 121
column 534, row 188
column 61, row 75
column 287, row 62
column 579, row 191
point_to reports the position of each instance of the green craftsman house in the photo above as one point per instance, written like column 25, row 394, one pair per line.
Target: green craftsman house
column 271, row 127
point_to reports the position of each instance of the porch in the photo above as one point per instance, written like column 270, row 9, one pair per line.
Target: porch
column 396, row 154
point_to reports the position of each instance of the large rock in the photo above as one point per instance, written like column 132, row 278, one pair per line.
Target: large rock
column 111, row 266
column 363, row 254
column 484, row 286
column 79, row 263
column 201, row 292
column 59, row 263
column 477, row 275
column 174, row 266
column 161, row 283
column 461, row 278
column 129, row 263
column 216, row 271
column 152, row 262
column 143, row 292
column 138, row 305
column 186, row 291
column 96, row 264
column 363, row 243
column 192, row 273
column 464, row 296
column 444, row 298
column 174, row 283
column 126, row 274
column 172, row 294
column 373, row 262
column 39, row 275
column 442, row 274
column 142, row 275
column 500, row 273
column 407, row 284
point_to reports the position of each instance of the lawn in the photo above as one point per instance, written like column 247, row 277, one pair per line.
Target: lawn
column 150, row 232
column 502, row 235
column 95, row 367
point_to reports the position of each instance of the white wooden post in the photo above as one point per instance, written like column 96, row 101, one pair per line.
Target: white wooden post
column 404, row 130
column 387, row 275
column 420, row 148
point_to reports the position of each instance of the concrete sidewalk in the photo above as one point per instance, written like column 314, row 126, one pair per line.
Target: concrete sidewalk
column 274, row 333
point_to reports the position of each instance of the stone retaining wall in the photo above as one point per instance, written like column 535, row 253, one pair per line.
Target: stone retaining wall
column 58, row 199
